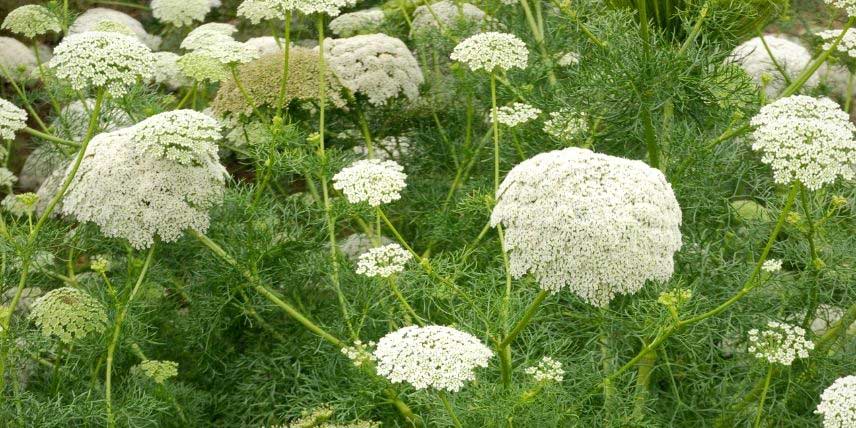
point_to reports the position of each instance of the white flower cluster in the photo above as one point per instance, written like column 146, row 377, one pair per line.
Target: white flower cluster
column 392, row 147
column 17, row 58
column 849, row 6
column 806, row 139
column 433, row 356
column 383, row 261
column 257, row 11
column 547, row 370
column 265, row 45
column 201, row 67
column 136, row 191
column 12, row 119
column 566, row 124
column 779, row 343
column 361, row 21
column 166, row 70
column 229, row 52
column 180, row 12
column 847, row 45
column 371, row 180
column 792, row 57
column 184, row 136
column 31, row 20
column 516, row 114
column 68, row 314
column 838, row 403
column 568, row 59
column 207, row 34
column 7, row 178
column 595, row 224
column 358, row 243
column 446, row 12
column 772, row 265
column 491, row 51
column 327, row 7
column 90, row 20
column 97, row 59
column 375, row 65
column 360, row 353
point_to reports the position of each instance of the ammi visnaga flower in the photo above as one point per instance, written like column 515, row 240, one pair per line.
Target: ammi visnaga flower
column 31, row 20
column 68, row 314
column 491, row 52
column 371, row 180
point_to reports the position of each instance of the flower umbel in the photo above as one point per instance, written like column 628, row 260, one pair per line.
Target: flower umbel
column 31, row 20
column 371, row 180
column 492, row 51
column 12, row 119
column 383, row 261
column 68, row 314
column 779, row 343
column 838, row 403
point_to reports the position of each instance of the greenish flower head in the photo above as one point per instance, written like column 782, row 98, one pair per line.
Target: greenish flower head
column 68, row 314
column 158, row 371
column 31, row 20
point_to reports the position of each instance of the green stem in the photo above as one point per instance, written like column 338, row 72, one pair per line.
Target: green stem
column 650, row 136
column 814, row 262
column 812, row 68
column 763, row 397
column 643, row 379
column 117, row 331
column 50, row 137
column 524, row 321
column 407, row 308
column 696, row 29
column 449, row 409
column 24, row 98
column 495, row 134
column 848, row 97
column 247, row 97
column 283, row 84
column 187, row 96
column 644, row 32
column 539, row 40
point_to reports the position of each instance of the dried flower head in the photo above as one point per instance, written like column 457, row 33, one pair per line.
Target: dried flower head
column 207, row 34
column 491, row 51
column 201, row 67
column 566, row 124
column 375, row 65
column 31, row 20
column 547, row 370
column 139, row 191
column 516, row 114
column 791, row 57
column 68, row 314
column 772, row 265
column 371, row 180
column 100, row 264
column 184, row 136
column 595, row 224
column 12, row 119
column 838, row 403
column 805, row 139
column 359, row 22
column 433, row 356
column 445, row 14
column 779, row 343
column 849, row 6
column 261, row 79
column 90, row 19
column 383, row 261
column 360, row 353
column 96, row 59
column 180, row 12
column 158, row 371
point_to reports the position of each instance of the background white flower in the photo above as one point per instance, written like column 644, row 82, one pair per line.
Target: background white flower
column 371, row 180
column 491, row 51
column 838, row 403
column 180, row 13
column 89, row 20
column 31, row 20
column 383, row 261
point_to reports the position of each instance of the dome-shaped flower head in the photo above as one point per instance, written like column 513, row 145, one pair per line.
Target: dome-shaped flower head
column 371, row 180
column 790, row 58
column 31, row 20
column 383, row 261
column 257, row 11
column 375, row 65
column 207, row 34
column 595, row 224
column 515, row 114
column 361, row 21
column 779, row 343
column 180, row 12
column 849, row 6
column 92, row 18
column 446, row 14
column 68, row 314
column 12, row 119
column 96, row 59
column 838, row 404
column 805, row 139
column 327, row 7
column 141, row 182
column 158, row 371
column 201, row 67
column 228, row 51
column 433, row 356
column 492, row 52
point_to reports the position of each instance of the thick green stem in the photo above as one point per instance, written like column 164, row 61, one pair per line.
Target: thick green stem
column 50, row 138
column 650, row 137
column 524, row 321
column 814, row 262
column 702, row 15
column 643, row 379
column 763, row 398
column 285, row 54
column 798, row 83
column 539, row 40
column 449, row 409
column 117, row 331
column 393, row 285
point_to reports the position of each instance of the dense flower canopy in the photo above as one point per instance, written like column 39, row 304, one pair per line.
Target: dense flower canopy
column 207, row 34
column 31, row 20
column 375, row 65
column 516, row 114
column 68, row 314
column 595, row 224
column 806, row 139
column 492, row 51
column 436, row 357
column 201, row 67
column 97, row 59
